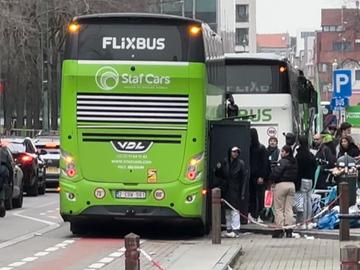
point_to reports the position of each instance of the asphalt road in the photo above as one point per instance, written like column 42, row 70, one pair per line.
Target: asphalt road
column 35, row 237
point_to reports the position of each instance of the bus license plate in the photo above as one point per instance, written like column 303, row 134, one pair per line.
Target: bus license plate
column 122, row 194
column 54, row 170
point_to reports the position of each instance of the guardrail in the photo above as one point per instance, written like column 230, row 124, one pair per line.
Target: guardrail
column 28, row 132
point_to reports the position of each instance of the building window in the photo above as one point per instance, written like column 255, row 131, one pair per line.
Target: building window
column 242, row 13
column 357, row 75
column 342, row 46
column 332, row 28
column 242, row 36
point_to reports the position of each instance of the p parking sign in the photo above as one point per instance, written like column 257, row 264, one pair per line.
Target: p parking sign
column 342, row 83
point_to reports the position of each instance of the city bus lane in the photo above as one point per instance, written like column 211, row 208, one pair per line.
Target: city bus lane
column 58, row 249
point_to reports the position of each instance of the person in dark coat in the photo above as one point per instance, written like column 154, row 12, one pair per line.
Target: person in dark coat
column 232, row 172
column 305, row 160
column 326, row 159
column 285, row 176
column 259, row 171
column 273, row 150
column 232, row 109
column 348, row 146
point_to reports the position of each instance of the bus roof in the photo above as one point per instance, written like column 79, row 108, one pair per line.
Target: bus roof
column 110, row 16
column 255, row 56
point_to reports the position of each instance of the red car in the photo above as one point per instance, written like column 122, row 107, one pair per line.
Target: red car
column 28, row 159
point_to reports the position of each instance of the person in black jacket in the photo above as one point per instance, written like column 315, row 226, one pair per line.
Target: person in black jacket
column 327, row 160
column 233, row 175
column 259, row 171
column 306, row 161
column 285, row 176
column 348, row 146
column 273, row 150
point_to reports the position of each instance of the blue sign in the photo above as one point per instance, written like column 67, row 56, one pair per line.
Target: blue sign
column 342, row 83
column 338, row 103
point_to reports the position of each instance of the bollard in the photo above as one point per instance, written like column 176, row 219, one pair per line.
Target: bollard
column 132, row 253
column 344, row 233
column 216, row 215
column 349, row 257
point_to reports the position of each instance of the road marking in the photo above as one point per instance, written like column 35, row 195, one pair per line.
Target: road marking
column 17, row 264
column 40, row 254
column 36, row 219
column 30, row 259
column 36, row 256
column 96, row 265
column 108, row 259
column 28, row 236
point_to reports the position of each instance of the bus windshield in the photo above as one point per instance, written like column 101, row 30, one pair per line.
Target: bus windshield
column 140, row 41
column 256, row 79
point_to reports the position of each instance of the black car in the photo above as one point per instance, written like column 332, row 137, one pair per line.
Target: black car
column 14, row 188
column 51, row 144
column 28, row 158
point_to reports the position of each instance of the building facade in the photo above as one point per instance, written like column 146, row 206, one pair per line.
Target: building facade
column 245, row 26
column 279, row 44
column 338, row 47
column 218, row 14
column 305, row 45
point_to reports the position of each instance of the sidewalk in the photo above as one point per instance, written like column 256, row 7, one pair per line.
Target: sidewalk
column 263, row 252
column 197, row 254
column 323, row 234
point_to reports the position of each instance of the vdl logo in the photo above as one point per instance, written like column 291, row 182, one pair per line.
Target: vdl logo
column 107, row 78
column 135, row 146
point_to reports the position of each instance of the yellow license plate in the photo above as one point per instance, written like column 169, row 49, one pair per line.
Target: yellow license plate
column 52, row 170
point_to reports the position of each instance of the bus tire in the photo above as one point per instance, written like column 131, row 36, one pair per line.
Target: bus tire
column 76, row 227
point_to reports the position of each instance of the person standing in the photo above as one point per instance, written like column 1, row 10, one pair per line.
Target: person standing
column 285, row 176
column 326, row 158
column 273, row 151
column 259, row 171
column 232, row 109
column 305, row 160
column 348, row 146
column 232, row 173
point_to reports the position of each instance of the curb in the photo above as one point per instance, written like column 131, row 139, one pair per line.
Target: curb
column 229, row 258
column 316, row 233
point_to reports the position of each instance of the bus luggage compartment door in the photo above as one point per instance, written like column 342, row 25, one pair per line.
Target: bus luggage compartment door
column 224, row 134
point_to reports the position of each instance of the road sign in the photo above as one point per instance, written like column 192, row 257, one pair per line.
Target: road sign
column 338, row 103
column 342, row 83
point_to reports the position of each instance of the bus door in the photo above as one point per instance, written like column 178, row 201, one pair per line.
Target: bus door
column 224, row 134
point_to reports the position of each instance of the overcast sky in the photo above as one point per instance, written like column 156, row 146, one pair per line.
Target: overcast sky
column 279, row 16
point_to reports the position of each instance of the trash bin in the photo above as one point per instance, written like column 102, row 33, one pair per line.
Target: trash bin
column 351, row 179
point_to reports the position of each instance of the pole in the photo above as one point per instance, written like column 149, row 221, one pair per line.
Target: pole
column 216, row 215
column 344, row 231
column 349, row 257
column 183, row 8
column 193, row 9
column 132, row 253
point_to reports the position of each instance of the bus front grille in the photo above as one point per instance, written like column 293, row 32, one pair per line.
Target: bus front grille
column 108, row 137
column 132, row 108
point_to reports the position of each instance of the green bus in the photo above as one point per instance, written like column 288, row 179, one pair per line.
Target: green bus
column 137, row 93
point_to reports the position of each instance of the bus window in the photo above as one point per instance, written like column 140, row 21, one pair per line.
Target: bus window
column 256, row 79
column 141, row 41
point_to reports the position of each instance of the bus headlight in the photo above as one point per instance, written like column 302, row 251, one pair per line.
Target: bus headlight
column 69, row 162
column 194, row 167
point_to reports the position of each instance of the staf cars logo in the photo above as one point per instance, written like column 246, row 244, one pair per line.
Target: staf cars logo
column 135, row 146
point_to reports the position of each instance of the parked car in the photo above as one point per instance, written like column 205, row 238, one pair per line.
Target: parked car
column 51, row 144
column 13, row 189
column 29, row 160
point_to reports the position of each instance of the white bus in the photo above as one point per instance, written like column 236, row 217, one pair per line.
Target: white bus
column 277, row 96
